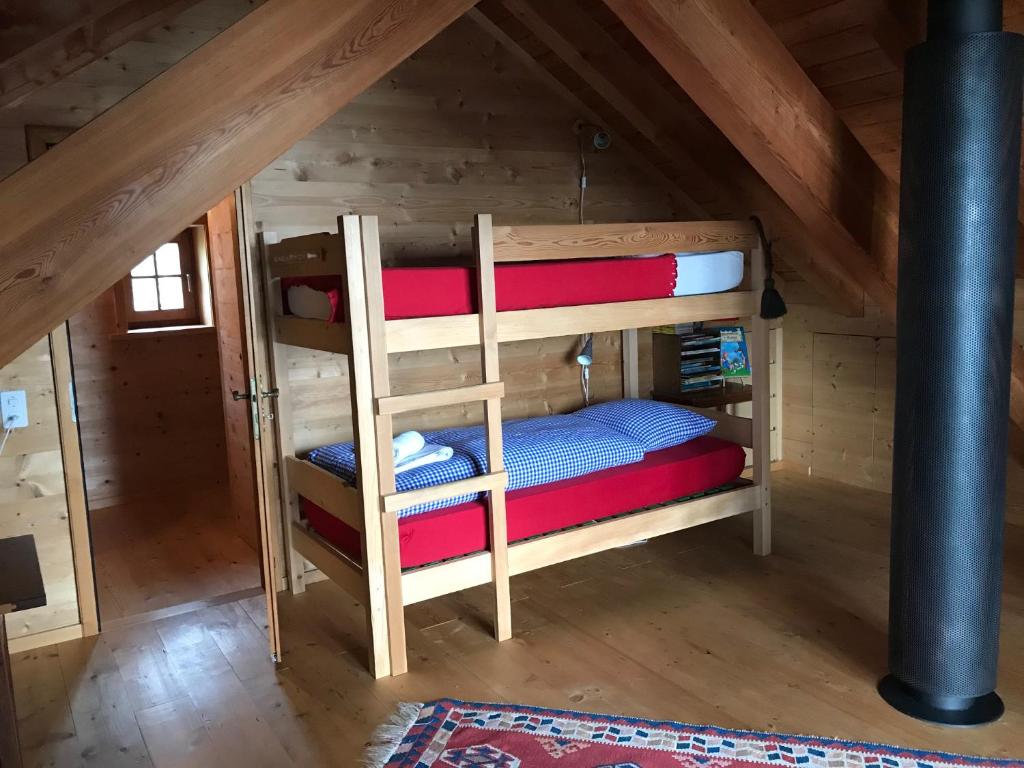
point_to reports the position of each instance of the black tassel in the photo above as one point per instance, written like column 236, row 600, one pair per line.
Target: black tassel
column 772, row 304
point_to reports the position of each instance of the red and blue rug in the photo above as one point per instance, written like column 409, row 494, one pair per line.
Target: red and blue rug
column 457, row 734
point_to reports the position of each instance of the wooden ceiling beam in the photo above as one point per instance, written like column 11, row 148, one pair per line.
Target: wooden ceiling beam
column 600, row 62
column 81, row 216
column 896, row 28
column 726, row 57
column 99, row 29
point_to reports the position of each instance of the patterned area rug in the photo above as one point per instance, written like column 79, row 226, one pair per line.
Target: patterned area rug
column 456, row 734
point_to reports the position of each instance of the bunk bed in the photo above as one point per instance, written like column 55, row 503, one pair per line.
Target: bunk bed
column 352, row 532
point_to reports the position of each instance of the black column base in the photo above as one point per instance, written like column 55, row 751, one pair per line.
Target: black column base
column 943, row 710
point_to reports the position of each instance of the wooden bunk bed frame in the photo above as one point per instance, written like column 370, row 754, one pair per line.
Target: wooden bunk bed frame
column 367, row 338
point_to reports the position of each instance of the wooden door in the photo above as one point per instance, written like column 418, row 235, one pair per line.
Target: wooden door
column 263, row 409
column 235, row 370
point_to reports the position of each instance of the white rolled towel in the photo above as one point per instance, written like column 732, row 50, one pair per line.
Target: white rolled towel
column 431, row 454
column 407, row 444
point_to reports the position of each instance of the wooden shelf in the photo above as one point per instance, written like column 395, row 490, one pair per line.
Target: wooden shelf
column 709, row 398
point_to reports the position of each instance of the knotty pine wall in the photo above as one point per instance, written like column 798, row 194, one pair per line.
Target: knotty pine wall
column 458, row 129
column 32, row 497
column 839, row 387
column 149, row 409
column 839, row 383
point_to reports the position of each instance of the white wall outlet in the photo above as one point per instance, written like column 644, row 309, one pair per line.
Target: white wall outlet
column 13, row 409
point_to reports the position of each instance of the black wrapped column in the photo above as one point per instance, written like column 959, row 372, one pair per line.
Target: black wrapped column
column 958, row 226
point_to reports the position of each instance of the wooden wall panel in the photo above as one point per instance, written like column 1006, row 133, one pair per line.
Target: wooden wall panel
column 32, row 497
column 458, row 129
column 149, row 408
column 839, row 377
column 839, row 387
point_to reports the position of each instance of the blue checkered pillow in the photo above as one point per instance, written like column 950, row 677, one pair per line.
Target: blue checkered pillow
column 653, row 424
column 546, row 449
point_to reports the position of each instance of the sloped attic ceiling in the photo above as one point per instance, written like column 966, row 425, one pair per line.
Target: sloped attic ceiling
column 67, row 242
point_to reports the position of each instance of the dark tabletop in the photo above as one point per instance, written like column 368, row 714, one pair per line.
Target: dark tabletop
column 21, row 583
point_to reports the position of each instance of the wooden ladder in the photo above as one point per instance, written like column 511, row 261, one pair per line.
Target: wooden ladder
column 386, row 406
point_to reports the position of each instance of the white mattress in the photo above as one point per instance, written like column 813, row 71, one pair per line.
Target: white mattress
column 707, row 272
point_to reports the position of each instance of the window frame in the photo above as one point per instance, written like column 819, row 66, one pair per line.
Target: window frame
column 132, row 320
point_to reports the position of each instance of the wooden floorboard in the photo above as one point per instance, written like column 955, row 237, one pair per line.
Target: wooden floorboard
column 688, row 627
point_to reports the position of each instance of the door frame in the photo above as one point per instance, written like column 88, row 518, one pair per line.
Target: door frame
column 266, row 402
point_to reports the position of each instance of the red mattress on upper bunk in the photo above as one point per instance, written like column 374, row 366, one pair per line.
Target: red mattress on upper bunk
column 696, row 466
column 440, row 291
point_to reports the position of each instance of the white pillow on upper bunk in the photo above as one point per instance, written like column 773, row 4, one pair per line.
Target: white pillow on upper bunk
column 309, row 303
column 708, row 272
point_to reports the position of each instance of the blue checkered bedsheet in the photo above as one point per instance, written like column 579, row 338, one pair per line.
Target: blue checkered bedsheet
column 536, row 451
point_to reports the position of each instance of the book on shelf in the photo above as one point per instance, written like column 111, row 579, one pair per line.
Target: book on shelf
column 735, row 357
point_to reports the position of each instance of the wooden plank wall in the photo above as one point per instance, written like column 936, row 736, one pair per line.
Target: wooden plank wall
column 149, row 409
column 32, row 496
column 839, row 380
column 839, row 386
column 460, row 128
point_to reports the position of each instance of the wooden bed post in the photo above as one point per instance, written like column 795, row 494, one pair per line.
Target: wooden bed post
column 483, row 243
column 362, row 386
column 761, row 416
column 381, row 377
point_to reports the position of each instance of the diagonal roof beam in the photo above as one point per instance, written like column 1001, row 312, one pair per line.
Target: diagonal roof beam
column 696, row 150
column 727, row 58
column 83, row 214
column 896, row 29
column 96, row 30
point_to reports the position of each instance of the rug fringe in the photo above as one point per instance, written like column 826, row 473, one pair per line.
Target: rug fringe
column 388, row 736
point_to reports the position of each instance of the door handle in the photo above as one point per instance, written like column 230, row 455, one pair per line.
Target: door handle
column 270, row 393
column 236, row 395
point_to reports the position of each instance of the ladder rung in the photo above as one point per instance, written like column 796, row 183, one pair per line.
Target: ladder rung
column 439, row 397
column 492, row 481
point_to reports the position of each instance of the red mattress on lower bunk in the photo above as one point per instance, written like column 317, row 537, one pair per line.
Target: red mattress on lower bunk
column 672, row 473
column 441, row 291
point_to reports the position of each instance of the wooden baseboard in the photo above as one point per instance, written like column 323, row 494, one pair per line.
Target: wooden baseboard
column 178, row 610
column 45, row 638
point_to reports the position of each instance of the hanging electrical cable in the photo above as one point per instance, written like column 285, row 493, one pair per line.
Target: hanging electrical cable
column 600, row 140
column 3, row 443
column 583, row 173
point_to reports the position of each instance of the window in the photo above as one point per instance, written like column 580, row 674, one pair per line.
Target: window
column 161, row 290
